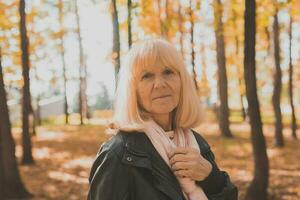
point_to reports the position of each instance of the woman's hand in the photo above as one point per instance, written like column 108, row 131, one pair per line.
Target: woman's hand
column 188, row 162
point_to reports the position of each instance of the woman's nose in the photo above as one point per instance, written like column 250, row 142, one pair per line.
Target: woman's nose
column 159, row 82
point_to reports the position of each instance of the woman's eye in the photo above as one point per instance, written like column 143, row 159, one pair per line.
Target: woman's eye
column 168, row 71
column 147, row 75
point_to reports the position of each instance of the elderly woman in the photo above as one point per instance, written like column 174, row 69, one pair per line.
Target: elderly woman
column 154, row 154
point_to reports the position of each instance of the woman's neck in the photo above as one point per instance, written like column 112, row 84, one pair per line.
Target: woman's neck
column 163, row 120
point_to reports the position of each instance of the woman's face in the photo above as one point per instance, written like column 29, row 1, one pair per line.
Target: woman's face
column 158, row 89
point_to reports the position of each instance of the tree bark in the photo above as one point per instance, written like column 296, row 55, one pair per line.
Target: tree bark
column 62, row 50
column 237, row 53
column 268, row 41
column 129, row 19
column 26, row 104
column 38, row 111
column 222, row 75
column 37, row 114
column 291, row 71
column 83, row 107
column 258, row 187
column 116, row 39
column 191, row 15
column 277, row 86
column 10, row 180
column 2, row 184
column 180, row 28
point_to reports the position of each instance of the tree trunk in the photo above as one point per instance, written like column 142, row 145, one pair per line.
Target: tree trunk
column 62, row 50
column 38, row 111
column 83, row 107
column 291, row 70
column 116, row 39
column 37, row 115
column 191, row 15
column 268, row 41
column 129, row 7
column 237, row 54
column 2, row 184
column 258, row 187
column 32, row 121
column 277, row 86
column 222, row 75
column 180, row 28
column 26, row 104
column 10, row 180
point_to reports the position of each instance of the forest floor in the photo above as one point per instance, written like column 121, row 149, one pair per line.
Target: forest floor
column 64, row 154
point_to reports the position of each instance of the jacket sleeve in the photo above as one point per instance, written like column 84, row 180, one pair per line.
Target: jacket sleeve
column 109, row 179
column 217, row 186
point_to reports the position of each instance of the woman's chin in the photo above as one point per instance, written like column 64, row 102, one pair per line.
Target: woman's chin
column 163, row 110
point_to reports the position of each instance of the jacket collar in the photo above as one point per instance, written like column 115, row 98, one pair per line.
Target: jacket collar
column 140, row 152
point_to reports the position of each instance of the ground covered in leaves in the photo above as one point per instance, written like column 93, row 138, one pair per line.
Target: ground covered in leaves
column 64, row 154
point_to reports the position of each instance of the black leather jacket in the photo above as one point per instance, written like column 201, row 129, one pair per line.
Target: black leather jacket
column 128, row 167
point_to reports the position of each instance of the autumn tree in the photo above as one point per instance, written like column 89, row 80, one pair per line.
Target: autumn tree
column 116, row 39
column 291, row 72
column 26, row 104
column 149, row 17
column 10, row 180
column 180, row 23
column 258, row 187
column 223, row 113
column 129, row 17
column 83, row 107
column 277, row 84
column 157, row 18
column 236, row 16
column 9, row 41
column 62, row 53
column 37, row 38
column 192, row 43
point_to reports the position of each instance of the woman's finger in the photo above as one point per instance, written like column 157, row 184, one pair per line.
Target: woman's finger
column 180, row 165
column 182, row 173
column 181, row 150
column 180, row 158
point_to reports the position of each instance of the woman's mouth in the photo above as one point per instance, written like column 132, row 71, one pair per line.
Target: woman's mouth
column 162, row 97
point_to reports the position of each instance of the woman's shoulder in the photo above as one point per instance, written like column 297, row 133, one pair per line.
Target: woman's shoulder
column 110, row 153
column 117, row 142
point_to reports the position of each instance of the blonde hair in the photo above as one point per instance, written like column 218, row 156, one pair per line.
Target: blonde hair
column 127, row 113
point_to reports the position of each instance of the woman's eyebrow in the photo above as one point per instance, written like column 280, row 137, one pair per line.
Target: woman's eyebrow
column 144, row 71
column 169, row 68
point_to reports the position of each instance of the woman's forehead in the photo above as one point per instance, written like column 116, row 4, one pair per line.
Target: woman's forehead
column 155, row 66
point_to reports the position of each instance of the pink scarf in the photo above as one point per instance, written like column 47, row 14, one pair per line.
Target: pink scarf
column 164, row 145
